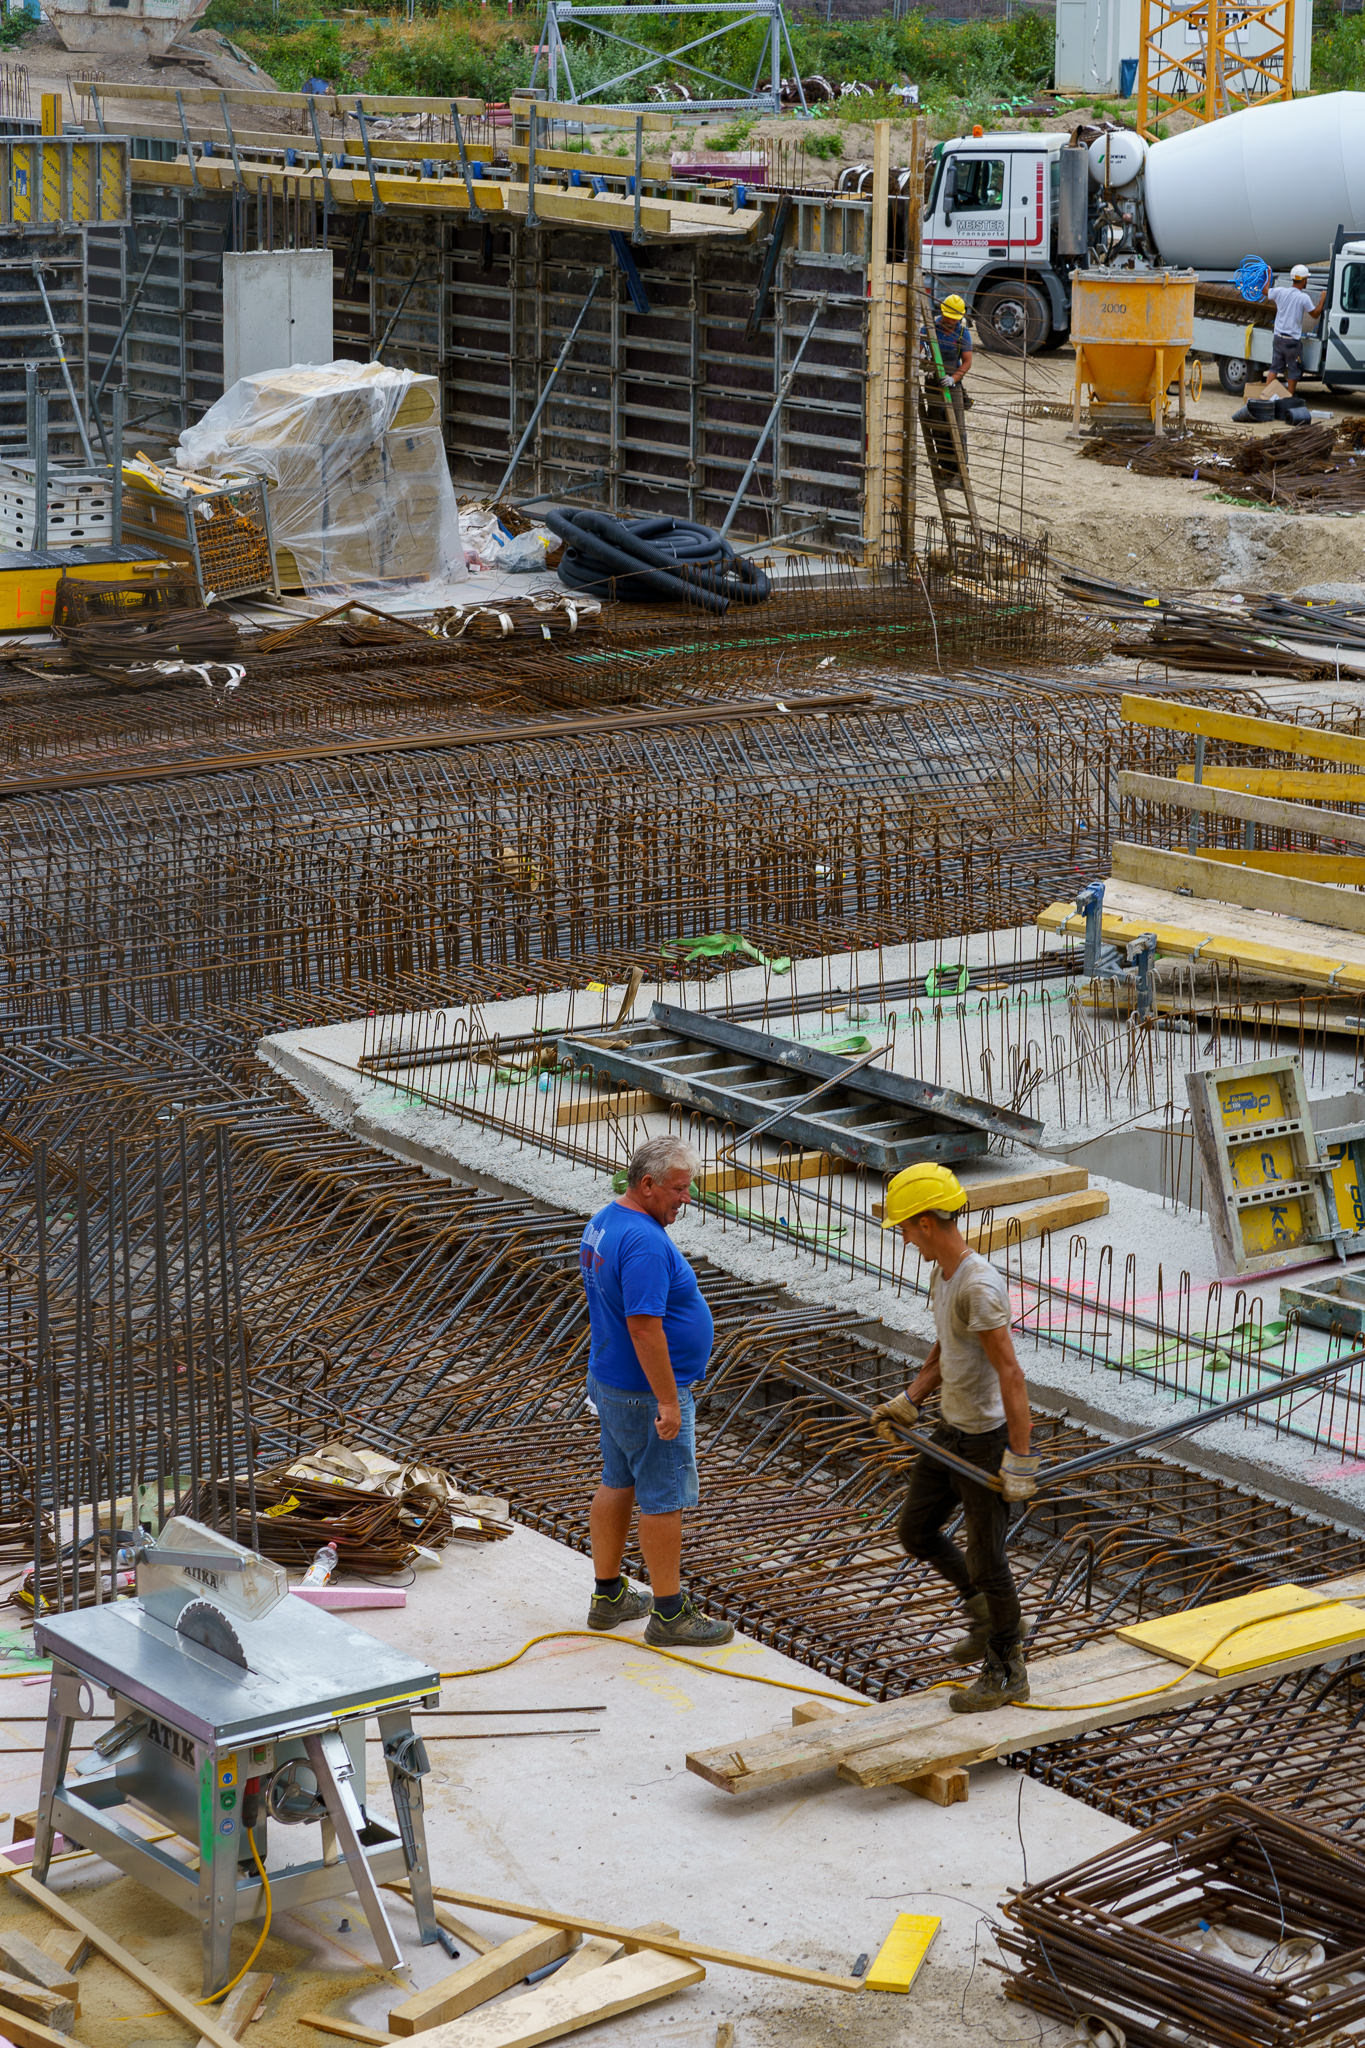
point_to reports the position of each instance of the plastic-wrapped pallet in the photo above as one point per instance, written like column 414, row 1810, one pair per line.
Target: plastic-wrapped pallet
column 360, row 489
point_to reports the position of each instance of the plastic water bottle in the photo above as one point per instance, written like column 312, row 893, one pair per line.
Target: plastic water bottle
column 323, row 1565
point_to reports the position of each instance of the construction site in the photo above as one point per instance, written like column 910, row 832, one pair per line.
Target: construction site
column 682, row 1046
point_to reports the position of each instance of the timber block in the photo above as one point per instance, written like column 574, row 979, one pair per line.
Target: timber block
column 946, row 1787
column 813, row 1710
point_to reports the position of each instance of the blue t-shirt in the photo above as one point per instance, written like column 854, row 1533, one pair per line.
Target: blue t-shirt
column 631, row 1267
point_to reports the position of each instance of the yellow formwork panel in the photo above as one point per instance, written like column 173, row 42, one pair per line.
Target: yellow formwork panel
column 1229, row 1636
column 62, row 181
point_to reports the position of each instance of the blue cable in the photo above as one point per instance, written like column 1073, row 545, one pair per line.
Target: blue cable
column 1251, row 276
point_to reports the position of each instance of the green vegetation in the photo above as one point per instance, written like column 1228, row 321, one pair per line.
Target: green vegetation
column 13, row 29
column 828, row 145
column 461, row 47
column 1338, row 53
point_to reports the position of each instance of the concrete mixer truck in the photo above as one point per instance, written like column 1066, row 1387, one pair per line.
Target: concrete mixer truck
column 1009, row 218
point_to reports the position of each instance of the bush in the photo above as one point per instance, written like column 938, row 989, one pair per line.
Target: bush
column 831, row 145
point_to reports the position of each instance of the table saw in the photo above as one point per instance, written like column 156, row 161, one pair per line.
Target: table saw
column 235, row 1707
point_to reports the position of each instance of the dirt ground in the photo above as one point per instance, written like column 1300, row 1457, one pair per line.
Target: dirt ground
column 1170, row 533
column 208, row 59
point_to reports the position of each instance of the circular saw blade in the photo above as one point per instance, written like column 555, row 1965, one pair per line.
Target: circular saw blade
column 203, row 1623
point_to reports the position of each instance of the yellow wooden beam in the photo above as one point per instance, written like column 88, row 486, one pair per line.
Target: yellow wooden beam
column 1319, row 970
column 575, row 160
column 594, row 116
column 1307, row 867
column 1216, row 802
column 1275, row 734
column 1287, row 782
column 329, row 103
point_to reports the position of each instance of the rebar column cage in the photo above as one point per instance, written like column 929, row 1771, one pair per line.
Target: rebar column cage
column 735, row 95
column 1212, row 58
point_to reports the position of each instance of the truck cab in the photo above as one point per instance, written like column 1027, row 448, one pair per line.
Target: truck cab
column 990, row 225
column 1343, row 321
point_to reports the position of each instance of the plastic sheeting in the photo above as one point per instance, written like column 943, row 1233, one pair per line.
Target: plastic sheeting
column 360, row 492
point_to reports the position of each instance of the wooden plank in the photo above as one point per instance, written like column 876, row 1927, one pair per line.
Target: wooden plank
column 948, row 1786
column 243, row 2004
column 1314, row 955
column 67, row 1950
column 553, row 2009
column 595, row 116
column 920, row 1733
column 54, row 2008
column 1315, row 901
column 199, row 2019
column 462, row 1931
column 1343, row 870
column 601, row 1948
column 30, row 2033
column 345, row 2030
column 568, row 160
column 1014, row 1226
column 727, row 1180
column 595, row 1109
column 1277, row 735
column 1309, row 783
column 502, row 1967
column 1215, row 801
column 23, row 1958
column 328, row 103
column 727, row 1958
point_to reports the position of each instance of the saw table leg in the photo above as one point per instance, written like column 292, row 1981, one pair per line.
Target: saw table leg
column 405, row 1758
column 218, row 1906
column 63, row 1711
column 333, row 1768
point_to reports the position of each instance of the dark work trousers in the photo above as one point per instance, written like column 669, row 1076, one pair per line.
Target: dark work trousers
column 934, row 1498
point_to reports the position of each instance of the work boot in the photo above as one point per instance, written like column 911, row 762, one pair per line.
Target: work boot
column 689, row 1629
column 1001, row 1682
column 971, row 1648
column 629, row 1605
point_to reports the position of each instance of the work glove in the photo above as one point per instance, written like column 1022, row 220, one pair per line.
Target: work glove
column 1019, row 1474
column 901, row 1410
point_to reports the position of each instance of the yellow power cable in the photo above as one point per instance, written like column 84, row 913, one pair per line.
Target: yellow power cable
column 1191, row 1664
column 260, row 1943
column 593, row 1635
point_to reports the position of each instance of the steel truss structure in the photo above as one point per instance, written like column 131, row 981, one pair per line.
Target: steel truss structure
column 741, row 14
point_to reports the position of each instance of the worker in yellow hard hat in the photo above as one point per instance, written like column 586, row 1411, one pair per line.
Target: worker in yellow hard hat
column 954, row 338
column 983, row 1417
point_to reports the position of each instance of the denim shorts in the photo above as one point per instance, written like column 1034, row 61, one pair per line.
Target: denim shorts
column 664, row 1475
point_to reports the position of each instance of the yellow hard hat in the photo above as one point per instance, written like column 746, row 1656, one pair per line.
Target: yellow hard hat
column 954, row 307
column 920, row 1187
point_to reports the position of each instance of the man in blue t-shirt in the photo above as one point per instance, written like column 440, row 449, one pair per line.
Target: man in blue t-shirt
column 651, row 1341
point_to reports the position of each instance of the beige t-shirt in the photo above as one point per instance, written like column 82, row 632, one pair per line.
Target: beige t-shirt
column 976, row 1298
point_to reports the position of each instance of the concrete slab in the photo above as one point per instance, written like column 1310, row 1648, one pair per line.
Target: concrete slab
column 612, row 1825
column 1173, row 1282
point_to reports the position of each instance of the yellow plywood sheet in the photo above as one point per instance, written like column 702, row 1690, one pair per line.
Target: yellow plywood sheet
column 1257, row 1628
column 900, row 1955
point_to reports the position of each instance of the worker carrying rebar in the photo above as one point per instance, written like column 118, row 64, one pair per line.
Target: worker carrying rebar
column 954, row 339
column 984, row 1411
column 651, row 1335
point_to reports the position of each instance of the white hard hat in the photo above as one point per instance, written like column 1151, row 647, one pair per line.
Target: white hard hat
column 1299, row 270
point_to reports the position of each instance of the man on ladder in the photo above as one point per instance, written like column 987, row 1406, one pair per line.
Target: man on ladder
column 954, row 348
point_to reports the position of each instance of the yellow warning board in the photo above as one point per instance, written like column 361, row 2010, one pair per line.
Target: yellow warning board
column 900, row 1955
column 1256, row 1628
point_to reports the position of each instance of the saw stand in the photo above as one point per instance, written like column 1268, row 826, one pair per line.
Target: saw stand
column 235, row 1706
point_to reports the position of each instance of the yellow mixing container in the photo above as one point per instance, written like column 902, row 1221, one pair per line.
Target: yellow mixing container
column 1132, row 331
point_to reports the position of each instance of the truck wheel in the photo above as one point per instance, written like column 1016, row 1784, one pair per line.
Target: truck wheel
column 1232, row 374
column 1012, row 316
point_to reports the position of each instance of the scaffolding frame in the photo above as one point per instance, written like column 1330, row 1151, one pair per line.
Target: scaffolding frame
column 1223, row 75
column 586, row 14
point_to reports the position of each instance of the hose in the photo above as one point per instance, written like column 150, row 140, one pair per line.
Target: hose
column 559, row 1635
column 640, row 560
column 261, row 1937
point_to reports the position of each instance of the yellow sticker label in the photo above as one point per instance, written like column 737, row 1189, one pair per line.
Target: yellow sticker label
column 1254, row 1099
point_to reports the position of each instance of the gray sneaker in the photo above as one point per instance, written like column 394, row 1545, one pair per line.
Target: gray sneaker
column 689, row 1628
column 1001, row 1682
column 630, row 1604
